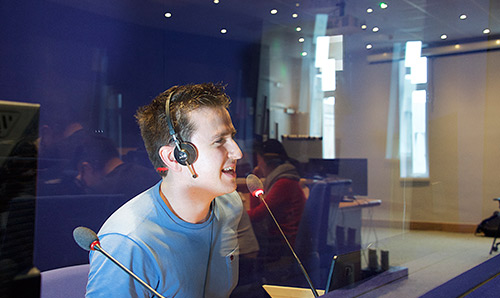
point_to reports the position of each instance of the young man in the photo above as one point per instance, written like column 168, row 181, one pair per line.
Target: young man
column 180, row 235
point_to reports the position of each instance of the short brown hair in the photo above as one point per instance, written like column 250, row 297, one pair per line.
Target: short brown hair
column 184, row 99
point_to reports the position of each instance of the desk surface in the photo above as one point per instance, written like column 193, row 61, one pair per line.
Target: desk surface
column 360, row 202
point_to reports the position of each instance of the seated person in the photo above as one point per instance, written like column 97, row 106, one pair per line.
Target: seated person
column 283, row 195
column 180, row 235
column 101, row 171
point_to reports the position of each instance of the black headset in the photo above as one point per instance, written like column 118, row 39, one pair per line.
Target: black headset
column 185, row 153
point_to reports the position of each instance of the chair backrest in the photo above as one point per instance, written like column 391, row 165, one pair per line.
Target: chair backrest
column 311, row 242
column 58, row 216
column 66, row 282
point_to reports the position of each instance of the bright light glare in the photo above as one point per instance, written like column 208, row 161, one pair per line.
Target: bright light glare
column 383, row 5
column 298, row 29
column 223, row 30
column 363, row 27
column 322, row 50
column 413, row 52
column 463, row 16
column 444, row 36
column 295, row 15
column 274, row 11
column 303, row 54
column 369, row 46
column 369, row 10
column 487, row 31
column 328, row 76
column 301, row 39
column 168, row 15
column 375, row 29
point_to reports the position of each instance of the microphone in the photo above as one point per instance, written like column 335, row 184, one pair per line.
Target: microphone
column 191, row 169
column 88, row 240
column 257, row 189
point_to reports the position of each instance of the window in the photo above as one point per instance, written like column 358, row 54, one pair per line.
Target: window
column 413, row 147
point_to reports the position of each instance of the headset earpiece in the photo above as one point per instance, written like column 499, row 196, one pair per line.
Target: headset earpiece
column 185, row 153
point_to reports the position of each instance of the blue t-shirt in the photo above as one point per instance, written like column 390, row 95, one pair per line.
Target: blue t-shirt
column 176, row 258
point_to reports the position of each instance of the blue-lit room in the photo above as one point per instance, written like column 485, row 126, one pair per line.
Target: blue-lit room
column 254, row 149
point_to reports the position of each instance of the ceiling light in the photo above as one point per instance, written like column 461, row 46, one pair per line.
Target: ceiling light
column 216, row 1
column 463, row 16
column 444, row 36
column 223, row 30
column 487, row 31
column 301, row 39
column 168, row 15
column 383, row 5
column 274, row 11
column 303, row 54
column 297, row 4
column 295, row 15
column 369, row 46
column 375, row 29
column 298, row 29
column 363, row 27
column 457, row 46
column 369, row 10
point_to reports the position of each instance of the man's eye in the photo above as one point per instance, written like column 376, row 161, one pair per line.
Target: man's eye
column 219, row 141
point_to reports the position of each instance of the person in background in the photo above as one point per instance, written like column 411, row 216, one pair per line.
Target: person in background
column 179, row 236
column 284, row 196
column 60, row 135
column 101, row 171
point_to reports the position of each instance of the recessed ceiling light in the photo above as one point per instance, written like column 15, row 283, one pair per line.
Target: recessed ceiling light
column 298, row 29
column 297, row 4
column 369, row 10
column 295, row 15
column 463, row 16
column 457, row 46
column 216, row 1
column 487, row 31
column 363, row 27
column 301, row 39
column 303, row 54
column 274, row 11
column 444, row 36
column 375, row 29
column 383, row 5
column 168, row 14
column 223, row 30
column 369, row 46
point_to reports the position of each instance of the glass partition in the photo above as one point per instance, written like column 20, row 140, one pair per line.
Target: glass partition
column 387, row 112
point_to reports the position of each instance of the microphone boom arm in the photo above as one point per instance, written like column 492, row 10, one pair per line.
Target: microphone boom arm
column 313, row 289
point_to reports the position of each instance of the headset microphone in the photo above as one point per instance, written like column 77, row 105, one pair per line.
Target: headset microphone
column 185, row 153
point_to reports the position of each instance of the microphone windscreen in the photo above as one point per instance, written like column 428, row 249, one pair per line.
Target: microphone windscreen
column 254, row 183
column 84, row 237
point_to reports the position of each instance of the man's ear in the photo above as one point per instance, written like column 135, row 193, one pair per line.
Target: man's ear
column 167, row 156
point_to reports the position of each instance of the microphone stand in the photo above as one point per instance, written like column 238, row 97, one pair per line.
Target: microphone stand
column 313, row 289
column 96, row 246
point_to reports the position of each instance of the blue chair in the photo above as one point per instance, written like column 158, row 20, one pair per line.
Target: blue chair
column 66, row 282
column 311, row 243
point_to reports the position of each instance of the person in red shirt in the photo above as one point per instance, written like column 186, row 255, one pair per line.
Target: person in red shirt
column 283, row 195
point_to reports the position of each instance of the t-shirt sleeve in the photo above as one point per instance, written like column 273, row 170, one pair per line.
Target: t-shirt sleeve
column 106, row 279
